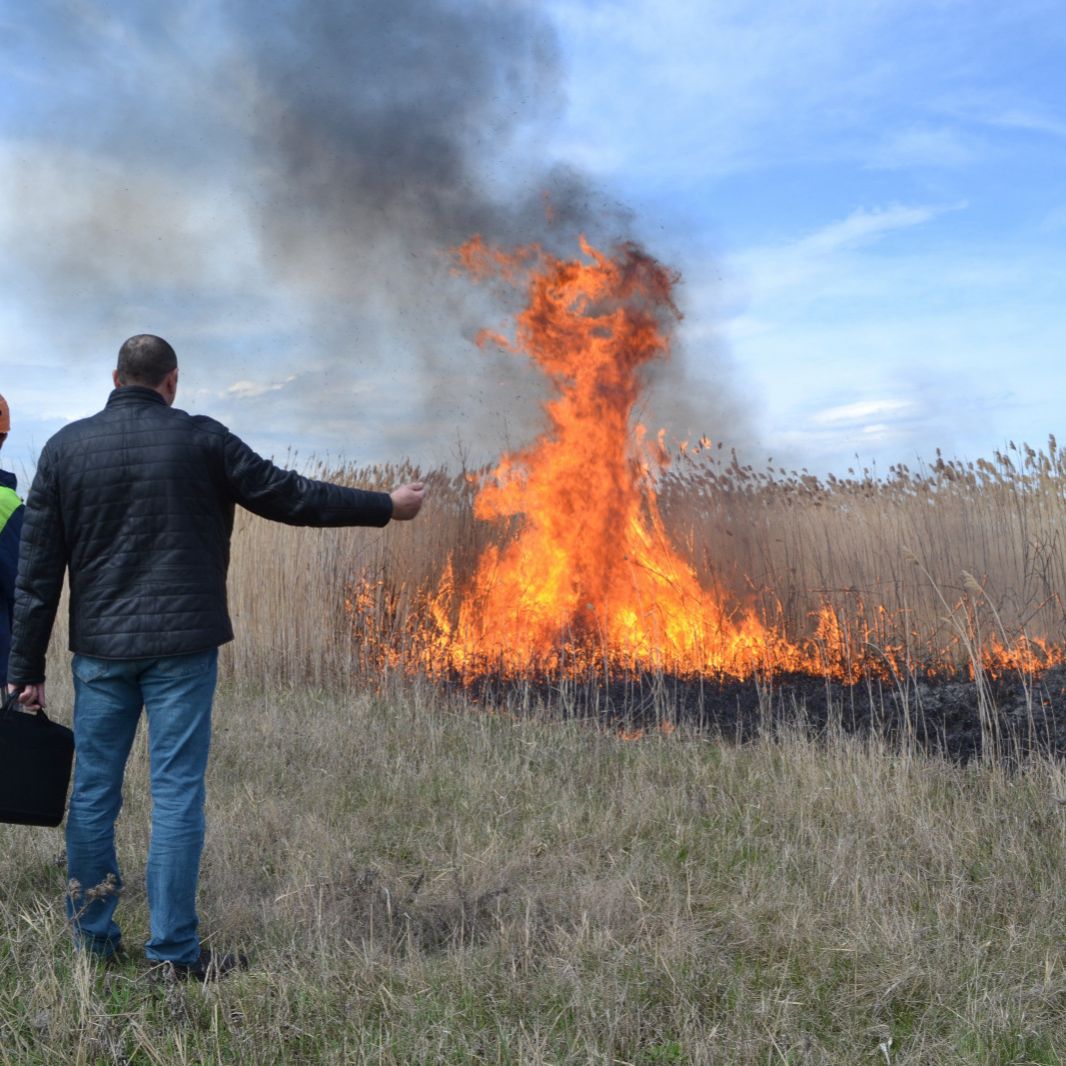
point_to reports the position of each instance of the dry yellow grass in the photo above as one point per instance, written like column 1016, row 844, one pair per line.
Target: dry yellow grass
column 796, row 541
column 419, row 883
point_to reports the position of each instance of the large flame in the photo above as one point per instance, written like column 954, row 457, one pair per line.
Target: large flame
column 591, row 575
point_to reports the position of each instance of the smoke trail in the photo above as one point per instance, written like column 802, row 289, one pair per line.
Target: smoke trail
column 388, row 129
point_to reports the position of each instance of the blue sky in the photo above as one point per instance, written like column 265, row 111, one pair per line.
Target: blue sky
column 866, row 201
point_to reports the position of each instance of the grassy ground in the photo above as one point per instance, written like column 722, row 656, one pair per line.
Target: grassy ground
column 421, row 882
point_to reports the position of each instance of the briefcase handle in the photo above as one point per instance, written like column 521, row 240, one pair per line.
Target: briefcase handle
column 12, row 706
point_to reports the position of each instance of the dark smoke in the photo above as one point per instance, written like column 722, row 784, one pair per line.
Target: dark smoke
column 388, row 130
column 386, row 134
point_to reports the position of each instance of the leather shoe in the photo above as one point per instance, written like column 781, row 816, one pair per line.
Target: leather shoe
column 210, row 966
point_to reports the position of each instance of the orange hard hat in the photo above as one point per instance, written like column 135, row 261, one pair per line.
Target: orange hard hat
column 5, row 416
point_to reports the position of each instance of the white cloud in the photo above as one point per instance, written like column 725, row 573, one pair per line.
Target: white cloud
column 864, row 226
column 923, row 146
column 862, row 411
column 1024, row 119
column 246, row 390
column 818, row 265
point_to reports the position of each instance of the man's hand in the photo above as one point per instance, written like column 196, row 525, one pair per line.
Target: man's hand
column 407, row 500
column 30, row 696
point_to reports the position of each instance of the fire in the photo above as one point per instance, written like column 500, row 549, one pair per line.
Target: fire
column 591, row 576
column 589, row 579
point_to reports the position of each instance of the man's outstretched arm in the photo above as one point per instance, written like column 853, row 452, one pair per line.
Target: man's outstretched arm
column 286, row 496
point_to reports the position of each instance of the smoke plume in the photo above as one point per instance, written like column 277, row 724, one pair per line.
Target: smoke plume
column 336, row 152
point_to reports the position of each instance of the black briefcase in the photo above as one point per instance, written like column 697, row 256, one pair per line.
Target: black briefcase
column 35, row 759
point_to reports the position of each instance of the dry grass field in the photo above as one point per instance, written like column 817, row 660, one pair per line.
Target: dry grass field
column 419, row 879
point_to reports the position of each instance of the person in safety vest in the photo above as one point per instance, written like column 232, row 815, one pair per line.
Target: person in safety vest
column 11, row 511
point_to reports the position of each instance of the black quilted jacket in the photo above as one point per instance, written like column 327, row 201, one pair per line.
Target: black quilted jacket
column 138, row 502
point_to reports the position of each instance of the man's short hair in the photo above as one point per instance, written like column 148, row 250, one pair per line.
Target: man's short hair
column 145, row 360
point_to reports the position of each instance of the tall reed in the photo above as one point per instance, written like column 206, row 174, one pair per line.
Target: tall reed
column 787, row 542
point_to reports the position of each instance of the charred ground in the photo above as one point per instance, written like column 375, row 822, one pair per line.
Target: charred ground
column 1008, row 718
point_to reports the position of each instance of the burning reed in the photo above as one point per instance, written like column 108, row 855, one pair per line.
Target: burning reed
column 594, row 551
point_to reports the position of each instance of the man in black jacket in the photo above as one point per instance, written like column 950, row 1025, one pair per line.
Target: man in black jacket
column 137, row 503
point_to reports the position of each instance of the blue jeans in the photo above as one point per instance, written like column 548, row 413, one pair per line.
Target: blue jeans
column 176, row 693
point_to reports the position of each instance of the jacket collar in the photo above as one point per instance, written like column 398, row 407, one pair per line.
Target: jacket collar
column 8, row 480
column 132, row 394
